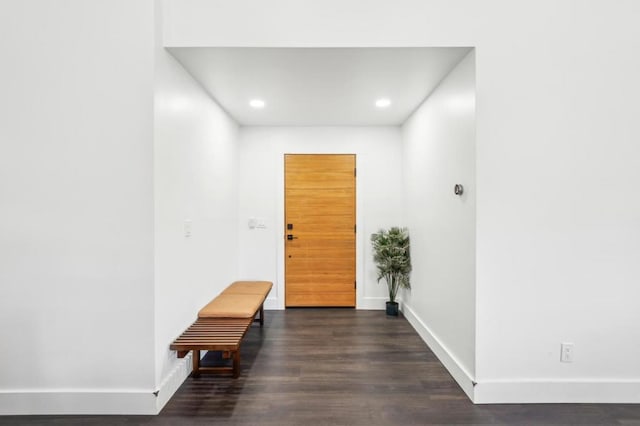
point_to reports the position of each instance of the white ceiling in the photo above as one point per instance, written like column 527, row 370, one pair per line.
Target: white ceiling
column 319, row 86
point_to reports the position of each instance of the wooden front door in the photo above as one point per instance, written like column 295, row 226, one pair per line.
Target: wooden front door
column 320, row 219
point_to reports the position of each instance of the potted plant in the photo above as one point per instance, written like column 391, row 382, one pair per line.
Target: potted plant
column 393, row 261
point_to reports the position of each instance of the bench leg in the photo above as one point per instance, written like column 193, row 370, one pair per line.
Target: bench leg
column 196, row 364
column 261, row 315
column 236, row 364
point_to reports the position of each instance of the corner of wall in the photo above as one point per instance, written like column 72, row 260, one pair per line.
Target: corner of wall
column 181, row 370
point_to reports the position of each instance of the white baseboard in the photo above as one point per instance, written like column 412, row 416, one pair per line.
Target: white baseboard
column 77, row 402
column 373, row 303
column 552, row 391
column 525, row 391
column 272, row 305
column 454, row 367
column 172, row 382
column 95, row 402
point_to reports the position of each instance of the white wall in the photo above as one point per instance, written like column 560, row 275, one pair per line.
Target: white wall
column 261, row 192
column 195, row 159
column 558, row 232
column 439, row 152
column 558, row 228
column 76, row 206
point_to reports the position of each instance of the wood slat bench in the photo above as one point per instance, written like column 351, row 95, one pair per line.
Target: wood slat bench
column 222, row 324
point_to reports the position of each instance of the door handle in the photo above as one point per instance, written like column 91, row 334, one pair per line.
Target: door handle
column 291, row 237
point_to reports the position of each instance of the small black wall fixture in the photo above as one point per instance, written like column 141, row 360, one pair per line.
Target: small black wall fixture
column 458, row 189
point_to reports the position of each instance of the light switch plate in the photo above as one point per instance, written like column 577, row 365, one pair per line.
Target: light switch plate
column 566, row 352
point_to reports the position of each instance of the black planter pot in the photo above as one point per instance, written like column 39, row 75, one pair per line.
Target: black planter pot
column 392, row 309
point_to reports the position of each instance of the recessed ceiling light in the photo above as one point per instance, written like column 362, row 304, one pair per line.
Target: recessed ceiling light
column 257, row 103
column 383, row 103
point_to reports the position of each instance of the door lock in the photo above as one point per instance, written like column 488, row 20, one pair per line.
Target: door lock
column 291, row 237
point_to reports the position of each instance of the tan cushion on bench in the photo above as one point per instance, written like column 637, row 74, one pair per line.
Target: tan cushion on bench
column 232, row 306
column 249, row 287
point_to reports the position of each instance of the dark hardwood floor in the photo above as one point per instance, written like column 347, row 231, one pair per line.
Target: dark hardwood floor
column 341, row 367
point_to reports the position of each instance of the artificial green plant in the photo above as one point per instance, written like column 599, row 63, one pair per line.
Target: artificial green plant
column 393, row 258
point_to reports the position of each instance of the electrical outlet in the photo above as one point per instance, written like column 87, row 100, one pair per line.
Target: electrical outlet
column 187, row 228
column 566, row 352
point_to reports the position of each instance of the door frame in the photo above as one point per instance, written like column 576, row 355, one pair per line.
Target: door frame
column 361, row 301
column 355, row 220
